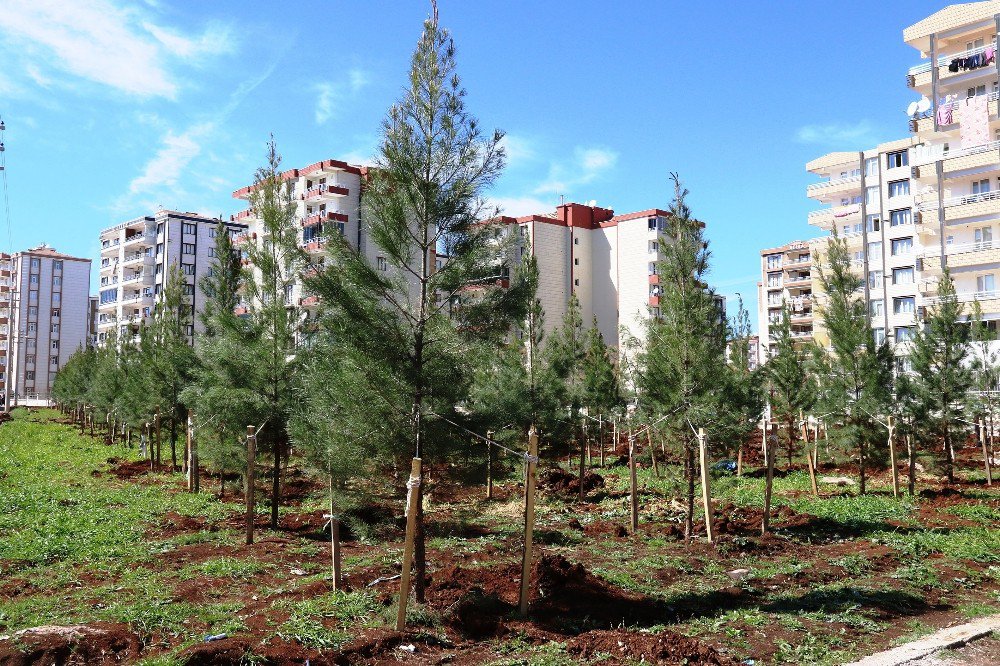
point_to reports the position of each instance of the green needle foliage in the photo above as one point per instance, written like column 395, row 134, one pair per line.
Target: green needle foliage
column 942, row 377
column 859, row 383
column 788, row 381
column 744, row 395
column 408, row 325
column 683, row 365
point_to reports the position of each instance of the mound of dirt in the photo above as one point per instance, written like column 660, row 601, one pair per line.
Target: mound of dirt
column 630, row 647
column 101, row 643
column 560, row 481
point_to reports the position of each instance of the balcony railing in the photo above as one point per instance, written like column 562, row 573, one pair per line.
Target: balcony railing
column 324, row 189
column 966, row 297
column 960, row 200
column 935, row 153
column 148, row 238
column 944, row 60
column 834, row 182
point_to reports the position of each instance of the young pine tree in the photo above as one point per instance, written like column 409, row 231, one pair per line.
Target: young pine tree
column 409, row 322
column 683, row 366
column 859, row 384
column 744, row 395
column 942, row 378
column 788, row 380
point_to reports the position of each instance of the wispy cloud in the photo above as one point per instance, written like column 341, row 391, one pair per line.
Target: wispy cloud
column 167, row 166
column 586, row 165
column 517, row 206
column 862, row 133
column 519, row 149
column 103, row 42
column 330, row 95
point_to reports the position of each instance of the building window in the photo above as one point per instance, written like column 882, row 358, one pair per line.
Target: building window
column 896, row 159
column 187, row 248
column 875, row 250
column 159, row 249
column 898, row 188
column 652, row 268
column 904, row 305
column 55, row 345
column 879, row 335
column 981, row 186
column 189, row 228
column 55, row 328
column 773, row 261
column 774, row 279
column 902, row 275
column 984, row 238
column 901, row 246
column 874, row 279
column 898, row 218
column 873, row 223
column 381, row 264
column 871, row 166
column 187, row 269
column 53, row 360
column 985, row 283
column 33, row 280
column 211, row 232
column 56, row 281
column 35, row 264
column 211, row 251
column 576, row 241
column 904, row 333
column 57, row 264
column 877, row 308
column 871, row 195
column 652, row 224
column 30, row 375
column 188, row 290
column 576, row 282
column 576, row 261
column 32, row 327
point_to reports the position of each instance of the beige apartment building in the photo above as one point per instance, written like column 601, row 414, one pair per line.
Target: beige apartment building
column 48, row 308
column 909, row 207
column 6, row 339
column 786, row 282
column 135, row 260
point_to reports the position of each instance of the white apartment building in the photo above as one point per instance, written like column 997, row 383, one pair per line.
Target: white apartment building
column 49, row 321
column 6, row 338
column 786, row 282
column 327, row 196
column 136, row 257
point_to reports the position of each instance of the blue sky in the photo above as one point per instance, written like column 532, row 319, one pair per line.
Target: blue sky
column 113, row 108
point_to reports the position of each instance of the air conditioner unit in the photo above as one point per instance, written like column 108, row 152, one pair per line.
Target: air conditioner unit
column 918, row 218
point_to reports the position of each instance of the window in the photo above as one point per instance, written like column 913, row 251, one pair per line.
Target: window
column 774, row 298
column 57, row 264
column 985, row 283
column 187, row 248
column 902, row 275
column 55, row 328
column 57, row 281
column 901, row 246
column 981, row 186
column 876, row 308
column 159, row 249
column 30, row 375
column 158, row 270
column 984, row 238
column 898, row 218
column 904, row 305
column 773, row 261
column 189, row 228
column 35, row 264
column 896, row 159
column 55, row 345
column 29, row 358
column 576, row 261
column 904, row 333
column 55, row 314
column 874, row 250
column 53, row 360
column 381, row 263
column 576, row 241
column 652, row 224
column 33, row 280
column 32, row 327
column 874, row 279
column 211, row 251
column 159, row 228
column 576, row 282
column 873, row 223
column 871, row 195
column 977, row 90
column 56, row 299
column 654, row 246
column 188, row 290
column 774, row 279
column 879, row 335
column 187, row 269
column 898, row 188
column 871, row 166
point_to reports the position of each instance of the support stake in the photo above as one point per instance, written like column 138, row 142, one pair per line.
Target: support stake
column 413, row 488
column 633, row 494
column 768, row 484
column 251, row 459
column 706, row 488
column 529, row 519
column 892, row 456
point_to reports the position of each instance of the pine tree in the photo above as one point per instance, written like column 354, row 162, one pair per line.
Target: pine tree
column 942, row 378
column 683, row 364
column 985, row 368
column 744, row 395
column 412, row 323
column 600, row 380
column 859, row 383
column 564, row 356
column 788, row 380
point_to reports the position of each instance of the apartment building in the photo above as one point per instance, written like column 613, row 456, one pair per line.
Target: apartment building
column 136, row 257
column 786, row 282
column 48, row 306
column 608, row 261
column 6, row 338
column 327, row 197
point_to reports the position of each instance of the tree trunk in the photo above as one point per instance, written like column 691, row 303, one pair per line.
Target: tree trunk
column 949, row 454
column 173, row 444
column 911, row 459
column 861, row 465
column 689, row 472
column 276, row 443
column 583, row 458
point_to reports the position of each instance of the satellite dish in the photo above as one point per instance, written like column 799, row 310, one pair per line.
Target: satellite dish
column 923, row 104
column 911, row 109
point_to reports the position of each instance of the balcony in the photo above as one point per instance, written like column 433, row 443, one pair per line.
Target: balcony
column 962, row 255
column 314, row 246
column 140, row 239
column 324, row 191
column 309, row 301
column 325, row 216
column 242, row 215
column 965, row 206
column 137, row 277
column 110, row 247
column 137, row 259
column 833, row 186
column 800, row 279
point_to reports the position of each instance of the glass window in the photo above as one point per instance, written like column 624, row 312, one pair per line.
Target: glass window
column 187, row 248
column 903, row 333
column 877, row 308
column 899, row 188
column 189, row 228
column 981, row 186
column 904, row 305
column 984, row 238
column 774, row 279
column 875, row 250
column 896, row 159
column 773, row 260
column 902, row 275
column 873, row 223
column 871, row 166
column 898, row 218
column 871, row 195
column 187, row 269
column 874, row 279
column 381, row 264
column 901, row 246
column 879, row 335
column 985, row 283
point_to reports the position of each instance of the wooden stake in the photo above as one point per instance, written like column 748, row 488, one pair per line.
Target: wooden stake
column 158, row 425
column 489, row 464
column 706, row 488
column 529, row 519
column 187, row 452
column 334, row 540
column 768, row 484
column 633, row 493
column 652, row 451
column 251, row 459
column 892, row 456
column 739, row 460
column 911, row 472
column 809, row 455
column 583, row 460
column 193, row 467
column 413, row 489
column 986, row 453
column 600, row 436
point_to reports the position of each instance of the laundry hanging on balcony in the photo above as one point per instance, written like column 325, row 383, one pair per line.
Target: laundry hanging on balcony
column 973, row 61
column 974, row 117
column 944, row 112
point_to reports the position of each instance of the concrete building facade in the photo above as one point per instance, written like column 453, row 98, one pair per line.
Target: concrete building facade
column 786, row 282
column 135, row 260
column 49, row 319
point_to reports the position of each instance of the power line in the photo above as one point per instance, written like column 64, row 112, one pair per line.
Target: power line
column 6, row 197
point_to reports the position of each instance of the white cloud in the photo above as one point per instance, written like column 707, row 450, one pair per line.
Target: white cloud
column 169, row 163
column 102, row 42
column 518, row 206
column 519, row 149
column 859, row 134
column 586, row 166
column 331, row 94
